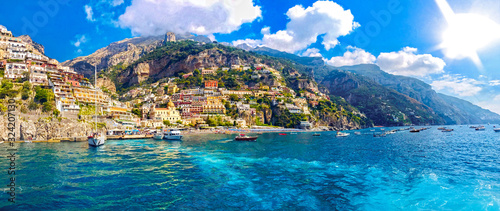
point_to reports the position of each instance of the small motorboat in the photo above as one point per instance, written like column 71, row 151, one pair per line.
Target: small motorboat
column 447, row 130
column 293, row 133
column 316, row 134
column 379, row 135
column 283, row 134
column 441, row 128
column 357, row 133
column 480, row 128
column 243, row 137
column 496, row 129
column 340, row 134
column 414, row 131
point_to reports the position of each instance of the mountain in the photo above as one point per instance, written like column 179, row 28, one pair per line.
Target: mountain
column 481, row 116
column 453, row 110
column 123, row 52
column 383, row 98
column 310, row 61
column 449, row 110
column 382, row 105
column 27, row 39
column 176, row 59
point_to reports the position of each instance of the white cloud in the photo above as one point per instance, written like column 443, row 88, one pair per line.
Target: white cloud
column 156, row 17
column 80, row 39
column 115, row 3
column 458, row 84
column 251, row 42
column 211, row 37
column 495, row 83
column 90, row 13
column 406, row 62
column 353, row 56
column 491, row 105
column 312, row 52
column 325, row 18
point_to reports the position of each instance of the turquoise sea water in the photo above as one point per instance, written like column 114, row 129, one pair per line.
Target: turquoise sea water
column 430, row 170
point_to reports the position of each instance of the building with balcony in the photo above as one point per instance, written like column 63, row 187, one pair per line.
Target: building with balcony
column 90, row 95
column 15, row 70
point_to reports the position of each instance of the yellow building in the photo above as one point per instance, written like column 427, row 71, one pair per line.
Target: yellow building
column 214, row 106
column 86, row 95
column 172, row 89
column 170, row 113
column 120, row 114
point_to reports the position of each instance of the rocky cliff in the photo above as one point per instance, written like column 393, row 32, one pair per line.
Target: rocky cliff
column 27, row 39
column 106, row 84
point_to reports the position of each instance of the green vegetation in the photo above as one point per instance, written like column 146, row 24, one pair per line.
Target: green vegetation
column 7, row 89
column 166, row 123
column 137, row 112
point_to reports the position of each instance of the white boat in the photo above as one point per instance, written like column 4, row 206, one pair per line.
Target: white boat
column 480, row 128
column 357, row 133
column 96, row 139
column 172, row 135
column 158, row 135
column 496, row 129
column 340, row 134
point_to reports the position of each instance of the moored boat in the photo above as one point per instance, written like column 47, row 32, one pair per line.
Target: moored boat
column 96, row 139
column 496, row 129
column 243, row 137
column 317, row 134
column 441, row 128
column 447, row 130
column 414, row 131
column 158, row 135
column 480, row 128
column 172, row 134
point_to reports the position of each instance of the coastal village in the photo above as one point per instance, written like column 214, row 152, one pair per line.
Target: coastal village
column 162, row 105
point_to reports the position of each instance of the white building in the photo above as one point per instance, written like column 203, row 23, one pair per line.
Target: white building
column 15, row 70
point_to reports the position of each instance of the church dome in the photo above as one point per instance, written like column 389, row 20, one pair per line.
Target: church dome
column 170, row 104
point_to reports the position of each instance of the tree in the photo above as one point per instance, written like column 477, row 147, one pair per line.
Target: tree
column 196, row 72
column 179, row 122
column 137, row 112
column 166, row 122
column 234, row 97
column 166, row 89
column 56, row 112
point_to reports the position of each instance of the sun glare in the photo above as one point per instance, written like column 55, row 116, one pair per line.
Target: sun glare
column 466, row 33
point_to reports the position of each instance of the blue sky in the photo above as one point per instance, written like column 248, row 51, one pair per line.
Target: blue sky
column 330, row 29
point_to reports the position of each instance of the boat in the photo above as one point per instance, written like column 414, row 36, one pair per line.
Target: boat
column 283, row 134
column 96, row 139
column 480, row 128
column 414, row 131
column 472, row 127
column 441, row 128
column 340, row 134
column 293, row 133
column 391, row 132
column 316, row 134
column 447, row 130
column 158, row 135
column 496, row 129
column 357, row 133
column 379, row 135
column 172, row 135
column 243, row 137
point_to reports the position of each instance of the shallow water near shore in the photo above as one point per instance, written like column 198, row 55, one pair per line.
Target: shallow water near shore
column 427, row 170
